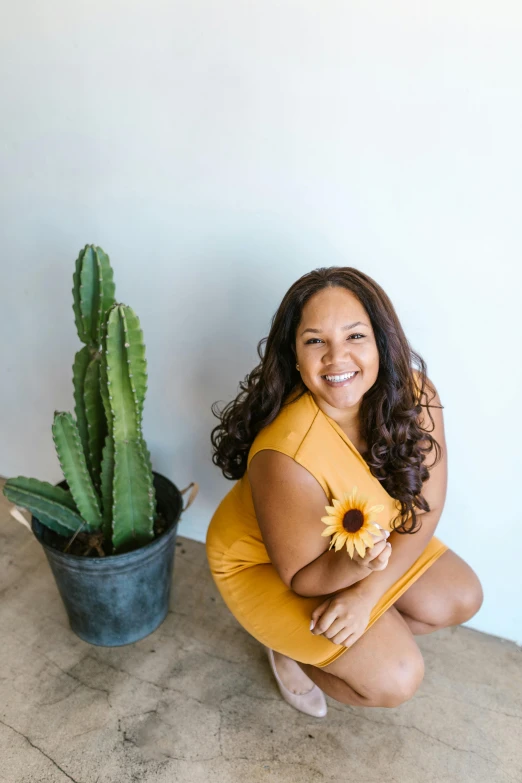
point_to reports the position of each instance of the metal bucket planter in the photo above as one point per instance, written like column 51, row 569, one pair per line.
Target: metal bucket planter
column 119, row 599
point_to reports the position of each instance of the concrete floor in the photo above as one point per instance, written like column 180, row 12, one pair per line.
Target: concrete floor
column 196, row 700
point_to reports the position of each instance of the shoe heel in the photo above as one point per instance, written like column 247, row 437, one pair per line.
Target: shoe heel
column 312, row 703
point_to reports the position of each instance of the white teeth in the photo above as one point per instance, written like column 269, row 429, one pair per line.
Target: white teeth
column 340, row 377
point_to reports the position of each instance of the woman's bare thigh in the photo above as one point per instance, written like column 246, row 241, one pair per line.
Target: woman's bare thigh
column 383, row 668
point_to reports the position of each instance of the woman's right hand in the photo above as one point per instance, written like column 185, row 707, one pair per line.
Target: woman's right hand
column 376, row 558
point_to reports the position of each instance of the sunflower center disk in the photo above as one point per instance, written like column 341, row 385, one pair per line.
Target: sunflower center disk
column 353, row 520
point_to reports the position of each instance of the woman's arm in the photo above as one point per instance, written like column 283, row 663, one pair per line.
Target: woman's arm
column 289, row 503
column 330, row 572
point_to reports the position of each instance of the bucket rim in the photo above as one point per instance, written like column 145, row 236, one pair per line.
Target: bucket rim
column 122, row 558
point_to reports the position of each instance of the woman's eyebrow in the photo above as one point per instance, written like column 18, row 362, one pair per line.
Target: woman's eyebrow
column 348, row 326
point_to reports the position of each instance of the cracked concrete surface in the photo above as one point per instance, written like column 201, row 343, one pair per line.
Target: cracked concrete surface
column 196, row 701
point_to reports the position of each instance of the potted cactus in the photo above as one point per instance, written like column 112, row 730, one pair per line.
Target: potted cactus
column 109, row 528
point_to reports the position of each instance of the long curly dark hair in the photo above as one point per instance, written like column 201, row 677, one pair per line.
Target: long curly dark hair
column 397, row 445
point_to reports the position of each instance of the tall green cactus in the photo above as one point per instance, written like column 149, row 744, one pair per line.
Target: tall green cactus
column 103, row 454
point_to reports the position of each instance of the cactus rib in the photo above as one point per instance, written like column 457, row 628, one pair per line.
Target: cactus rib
column 74, row 466
column 95, row 417
column 53, row 506
column 107, row 480
column 80, row 366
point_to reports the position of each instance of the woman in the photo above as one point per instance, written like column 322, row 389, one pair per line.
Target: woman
column 332, row 427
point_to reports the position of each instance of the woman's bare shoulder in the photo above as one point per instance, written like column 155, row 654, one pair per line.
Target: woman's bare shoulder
column 270, row 465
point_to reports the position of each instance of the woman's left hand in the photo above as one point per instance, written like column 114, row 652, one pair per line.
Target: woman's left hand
column 342, row 618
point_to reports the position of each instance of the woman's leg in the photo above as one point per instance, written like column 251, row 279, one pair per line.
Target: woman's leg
column 383, row 668
column 448, row 593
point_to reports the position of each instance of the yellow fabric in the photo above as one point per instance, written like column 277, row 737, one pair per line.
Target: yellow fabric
column 246, row 579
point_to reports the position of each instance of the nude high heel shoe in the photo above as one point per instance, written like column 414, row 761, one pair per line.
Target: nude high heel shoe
column 311, row 703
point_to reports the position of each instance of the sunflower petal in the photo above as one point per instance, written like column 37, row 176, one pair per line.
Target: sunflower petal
column 328, row 520
column 331, row 510
column 352, row 496
column 366, row 537
column 340, row 542
column 376, row 509
column 329, row 531
column 349, row 545
column 359, row 545
column 335, row 504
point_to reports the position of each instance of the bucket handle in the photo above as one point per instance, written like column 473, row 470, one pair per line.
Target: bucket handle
column 192, row 496
column 16, row 513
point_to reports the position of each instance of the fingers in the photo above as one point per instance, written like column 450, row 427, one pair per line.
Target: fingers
column 318, row 611
column 350, row 639
column 377, row 548
column 323, row 622
column 345, row 638
column 382, row 534
column 337, row 628
column 381, row 561
column 374, row 551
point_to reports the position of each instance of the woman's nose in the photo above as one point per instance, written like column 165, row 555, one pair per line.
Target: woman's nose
column 336, row 354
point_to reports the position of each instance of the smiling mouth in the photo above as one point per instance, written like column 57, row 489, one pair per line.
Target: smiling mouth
column 343, row 382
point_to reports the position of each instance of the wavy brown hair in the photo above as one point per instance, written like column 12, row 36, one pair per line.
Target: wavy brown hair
column 389, row 411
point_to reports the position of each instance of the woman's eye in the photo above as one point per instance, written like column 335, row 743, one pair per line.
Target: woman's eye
column 317, row 338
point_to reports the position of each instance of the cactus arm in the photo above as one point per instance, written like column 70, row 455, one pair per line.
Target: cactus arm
column 135, row 349
column 133, row 512
column 74, row 466
column 52, row 506
column 95, row 416
column 93, row 293
column 107, row 478
column 120, row 375
column 106, row 293
column 81, row 363
column 54, row 525
column 76, row 291
column 90, row 293
column 132, row 519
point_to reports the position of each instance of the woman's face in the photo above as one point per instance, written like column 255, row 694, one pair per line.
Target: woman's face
column 330, row 341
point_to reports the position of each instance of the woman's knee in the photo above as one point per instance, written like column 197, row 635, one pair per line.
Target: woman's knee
column 384, row 668
column 390, row 685
column 398, row 683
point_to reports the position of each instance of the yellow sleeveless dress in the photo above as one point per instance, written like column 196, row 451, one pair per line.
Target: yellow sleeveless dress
column 244, row 575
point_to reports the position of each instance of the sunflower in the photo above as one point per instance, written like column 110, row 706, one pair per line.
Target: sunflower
column 349, row 521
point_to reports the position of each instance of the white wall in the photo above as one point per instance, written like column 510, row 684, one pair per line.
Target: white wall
column 217, row 151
